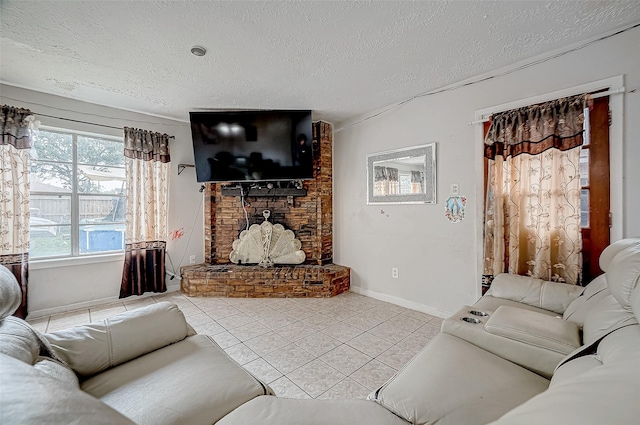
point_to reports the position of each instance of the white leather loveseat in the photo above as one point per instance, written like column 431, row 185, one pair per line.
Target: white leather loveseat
column 536, row 353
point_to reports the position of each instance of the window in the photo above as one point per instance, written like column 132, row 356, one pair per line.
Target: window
column 77, row 195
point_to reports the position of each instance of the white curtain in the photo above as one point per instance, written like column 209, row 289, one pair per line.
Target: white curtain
column 147, row 173
column 15, row 124
column 532, row 210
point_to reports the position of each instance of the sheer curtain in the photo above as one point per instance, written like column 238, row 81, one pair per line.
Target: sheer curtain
column 16, row 124
column 532, row 210
column 147, row 173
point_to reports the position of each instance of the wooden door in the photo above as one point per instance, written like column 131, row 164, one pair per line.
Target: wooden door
column 595, row 199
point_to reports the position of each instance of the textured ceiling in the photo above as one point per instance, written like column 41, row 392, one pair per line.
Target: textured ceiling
column 339, row 58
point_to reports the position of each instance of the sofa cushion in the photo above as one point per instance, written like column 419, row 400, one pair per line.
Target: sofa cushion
column 57, row 370
column 603, row 391
column 539, row 293
column 624, row 274
column 29, row 396
column 594, row 291
column 606, row 315
column 454, row 382
column 92, row 348
column 10, row 293
column 267, row 410
column 491, row 303
column 613, row 249
column 190, row 382
column 18, row 340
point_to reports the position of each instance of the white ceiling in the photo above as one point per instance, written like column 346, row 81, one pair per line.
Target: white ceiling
column 339, row 58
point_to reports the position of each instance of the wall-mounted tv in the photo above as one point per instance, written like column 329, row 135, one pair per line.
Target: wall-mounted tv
column 236, row 146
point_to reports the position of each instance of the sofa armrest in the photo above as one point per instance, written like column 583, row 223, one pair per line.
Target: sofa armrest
column 92, row 348
column 552, row 296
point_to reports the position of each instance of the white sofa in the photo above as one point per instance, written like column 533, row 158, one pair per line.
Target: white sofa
column 542, row 353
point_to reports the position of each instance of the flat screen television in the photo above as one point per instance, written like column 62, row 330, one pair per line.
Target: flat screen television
column 237, row 146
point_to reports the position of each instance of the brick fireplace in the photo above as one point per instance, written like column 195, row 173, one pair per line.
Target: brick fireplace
column 309, row 215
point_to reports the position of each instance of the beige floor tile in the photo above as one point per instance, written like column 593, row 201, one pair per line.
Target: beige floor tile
column 225, row 339
column 197, row 318
column 436, row 321
column 235, row 321
column 347, row 389
column 429, row 330
column 396, row 357
column 104, row 312
column 319, row 321
column 288, row 358
column 381, row 313
column 389, row 332
column 133, row 302
column 68, row 320
column 342, row 331
column 209, row 328
column 345, row 359
column 262, row 370
column 277, row 321
column 369, row 344
column 339, row 313
column 404, row 322
column 318, row 343
column 217, row 312
column 363, row 321
column 295, row 331
column 418, row 315
column 373, row 374
column 249, row 331
column 241, row 353
column 284, row 388
column 266, row 343
column 414, row 343
column 315, row 377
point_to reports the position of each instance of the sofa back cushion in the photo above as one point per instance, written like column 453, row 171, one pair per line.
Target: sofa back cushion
column 92, row 348
column 593, row 292
column 539, row 293
column 29, row 396
column 18, row 340
column 612, row 250
column 10, row 293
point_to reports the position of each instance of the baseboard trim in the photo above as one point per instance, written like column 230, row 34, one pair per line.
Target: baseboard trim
column 88, row 304
column 401, row 302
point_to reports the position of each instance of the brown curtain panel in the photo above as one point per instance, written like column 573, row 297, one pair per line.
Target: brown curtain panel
column 147, row 173
column 532, row 209
column 15, row 124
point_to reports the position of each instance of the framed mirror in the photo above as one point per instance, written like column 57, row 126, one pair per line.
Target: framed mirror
column 402, row 176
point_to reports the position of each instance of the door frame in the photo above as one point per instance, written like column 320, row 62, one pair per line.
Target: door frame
column 616, row 158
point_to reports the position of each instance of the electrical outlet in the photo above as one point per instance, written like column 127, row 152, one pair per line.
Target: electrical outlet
column 394, row 272
column 192, row 259
column 455, row 189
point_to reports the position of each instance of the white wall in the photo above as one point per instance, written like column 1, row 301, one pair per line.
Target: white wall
column 61, row 285
column 437, row 260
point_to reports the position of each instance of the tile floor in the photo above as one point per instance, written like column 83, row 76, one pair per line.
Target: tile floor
column 337, row 348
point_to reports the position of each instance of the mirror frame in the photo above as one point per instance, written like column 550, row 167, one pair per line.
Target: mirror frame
column 429, row 183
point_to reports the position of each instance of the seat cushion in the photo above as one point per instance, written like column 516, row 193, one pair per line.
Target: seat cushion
column 190, row 382
column 269, row 410
column 454, row 382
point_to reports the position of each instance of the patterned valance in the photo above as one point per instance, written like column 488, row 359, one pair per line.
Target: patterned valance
column 146, row 145
column 15, row 124
column 534, row 129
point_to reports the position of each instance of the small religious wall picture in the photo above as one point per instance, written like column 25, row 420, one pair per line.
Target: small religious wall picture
column 454, row 208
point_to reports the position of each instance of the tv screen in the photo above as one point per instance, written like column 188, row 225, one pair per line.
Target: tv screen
column 237, row 146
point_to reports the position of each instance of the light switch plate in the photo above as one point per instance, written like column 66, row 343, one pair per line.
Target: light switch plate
column 455, row 189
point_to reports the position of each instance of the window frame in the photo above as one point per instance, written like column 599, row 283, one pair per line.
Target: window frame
column 75, row 196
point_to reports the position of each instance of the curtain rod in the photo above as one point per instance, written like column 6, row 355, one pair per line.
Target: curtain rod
column 79, row 121
column 592, row 96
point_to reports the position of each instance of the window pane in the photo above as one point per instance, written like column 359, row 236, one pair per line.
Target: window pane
column 584, row 167
column 49, row 210
column 98, row 179
column 101, row 238
column 52, row 146
column 49, row 240
column 584, row 208
column 51, row 177
column 101, row 209
column 100, row 152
